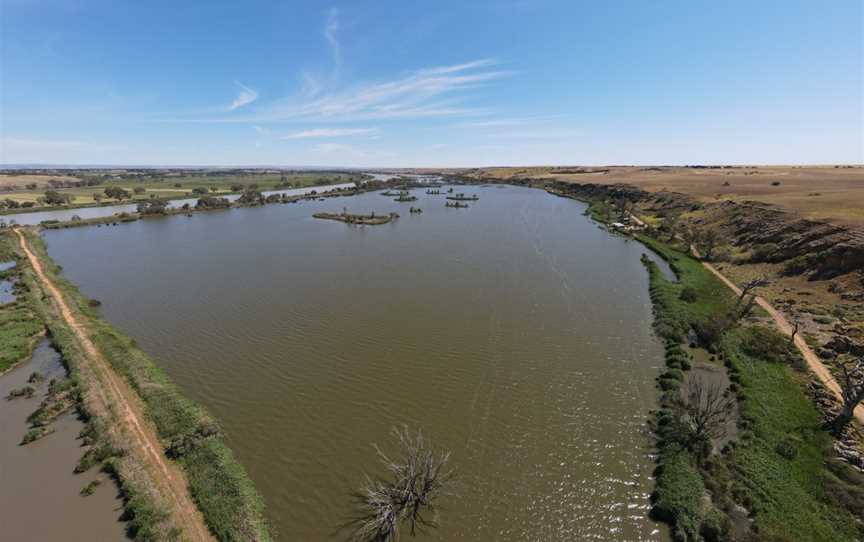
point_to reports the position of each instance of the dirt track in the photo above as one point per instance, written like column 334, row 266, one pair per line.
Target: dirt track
column 114, row 393
column 813, row 361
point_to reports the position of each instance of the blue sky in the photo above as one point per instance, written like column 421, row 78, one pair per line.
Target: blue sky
column 396, row 83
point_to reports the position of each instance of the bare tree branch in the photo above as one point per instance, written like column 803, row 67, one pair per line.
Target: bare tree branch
column 751, row 285
column 704, row 412
column 408, row 496
column 852, row 387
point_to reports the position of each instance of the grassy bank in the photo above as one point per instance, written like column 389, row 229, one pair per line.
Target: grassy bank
column 779, row 478
column 20, row 327
column 778, row 468
column 231, row 506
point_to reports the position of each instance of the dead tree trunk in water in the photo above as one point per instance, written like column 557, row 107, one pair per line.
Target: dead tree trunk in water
column 408, row 496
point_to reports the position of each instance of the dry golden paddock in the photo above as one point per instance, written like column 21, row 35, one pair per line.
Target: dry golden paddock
column 820, row 192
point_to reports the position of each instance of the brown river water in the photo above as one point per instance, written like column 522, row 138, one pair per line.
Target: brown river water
column 39, row 492
column 515, row 333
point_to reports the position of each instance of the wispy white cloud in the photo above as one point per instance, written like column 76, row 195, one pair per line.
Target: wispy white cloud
column 328, row 132
column 521, row 121
column 245, row 97
column 474, row 64
column 310, row 85
column 318, row 133
column 539, row 134
column 441, row 91
column 331, row 30
column 424, row 93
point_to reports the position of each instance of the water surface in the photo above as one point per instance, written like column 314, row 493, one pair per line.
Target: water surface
column 514, row 333
column 39, row 492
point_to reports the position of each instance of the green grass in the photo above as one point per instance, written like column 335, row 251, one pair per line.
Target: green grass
column 220, row 486
column 164, row 186
column 786, row 498
column 20, row 327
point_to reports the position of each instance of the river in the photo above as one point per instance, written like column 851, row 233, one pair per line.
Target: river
column 515, row 333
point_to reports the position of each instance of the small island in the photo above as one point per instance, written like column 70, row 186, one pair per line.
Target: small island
column 462, row 197
column 405, row 196
column 364, row 220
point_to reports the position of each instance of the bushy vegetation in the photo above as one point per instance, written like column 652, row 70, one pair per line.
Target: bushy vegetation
column 19, row 325
column 776, row 469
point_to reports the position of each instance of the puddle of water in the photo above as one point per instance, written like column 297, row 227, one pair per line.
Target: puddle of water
column 39, row 493
column 6, row 295
column 5, row 266
column 712, row 371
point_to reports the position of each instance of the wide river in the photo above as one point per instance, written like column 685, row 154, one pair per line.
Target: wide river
column 514, row 333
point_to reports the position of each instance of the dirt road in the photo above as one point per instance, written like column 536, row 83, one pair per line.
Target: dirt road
column 813, row 361
column 115, row 394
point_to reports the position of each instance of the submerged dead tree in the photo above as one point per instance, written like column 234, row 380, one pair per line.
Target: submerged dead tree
column 407, row 496
column 852, row 387
column 703, row 414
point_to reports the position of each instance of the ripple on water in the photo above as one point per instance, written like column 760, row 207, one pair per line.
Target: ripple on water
column 516, row 334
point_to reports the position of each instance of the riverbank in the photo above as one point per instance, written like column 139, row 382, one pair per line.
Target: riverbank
column 20, row 328
column 780, row 478
column 141, row 187
column 177, row 476
column 156, row 208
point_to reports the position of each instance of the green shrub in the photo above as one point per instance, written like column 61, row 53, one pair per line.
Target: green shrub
column 797, row 265
column 90, row 488
column 668, row 384
column 766, row 343
column 764, row 253
column 677, row 498
column 689, row 294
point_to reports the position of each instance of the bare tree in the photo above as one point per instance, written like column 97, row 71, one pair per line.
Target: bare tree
column 704, row 412
column 796, row 325
column 751, row 285
column 852, row 387
column 407, row 496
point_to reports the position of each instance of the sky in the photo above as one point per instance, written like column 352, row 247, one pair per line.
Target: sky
column 444, row 83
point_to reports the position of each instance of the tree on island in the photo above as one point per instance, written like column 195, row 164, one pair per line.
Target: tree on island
column 407, row 496
column 154, row 206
